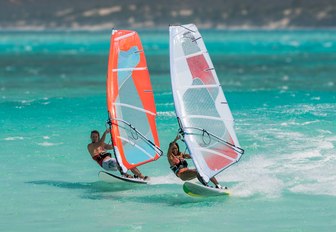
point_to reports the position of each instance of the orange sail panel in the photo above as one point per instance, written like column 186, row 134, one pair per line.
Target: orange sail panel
column 130, row 102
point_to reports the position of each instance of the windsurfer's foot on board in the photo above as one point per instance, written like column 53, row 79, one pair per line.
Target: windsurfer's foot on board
column 213, row 180
column 98, row 151
column 179, row 165
column 138, row 174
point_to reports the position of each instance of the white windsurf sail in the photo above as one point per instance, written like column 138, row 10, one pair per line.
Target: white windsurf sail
column 201, row 107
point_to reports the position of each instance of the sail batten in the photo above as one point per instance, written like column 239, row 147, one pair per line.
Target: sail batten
column 134, row 144
column 201, row 116
column 128, row 69
column 124, row 36
column 204, row 115
column 130, row 102
column 134, row 107
column 200, row 86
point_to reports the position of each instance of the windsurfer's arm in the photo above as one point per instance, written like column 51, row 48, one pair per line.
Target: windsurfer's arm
column 108, row 146
column 178, row 136
column 101, row 142
column 170, row 159
column 172, row 143
column 186, row 156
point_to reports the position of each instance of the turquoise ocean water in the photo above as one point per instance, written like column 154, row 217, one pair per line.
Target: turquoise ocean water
column 281, row 89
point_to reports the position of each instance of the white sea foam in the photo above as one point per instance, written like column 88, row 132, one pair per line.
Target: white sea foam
column 316, row 98
column 169, row 179
column 285, row 78
column 165, row 104
column 319, row 110
column 166, row 114
column 284, row 87
column 325, row 132
column 294, row 123
column 315, row 189
column 26, row 102
column 294, row 43
column 332, row 138
column 330, row 84
column 13, row 138
column 305, row 165
column 48, row 144
column 263, row 185
column 287, row 134
column 165, row 93
column 326, row 145
column 310, row 170
column 302, row 156
column 255, row 177
column 309, row 122
column 318, row 179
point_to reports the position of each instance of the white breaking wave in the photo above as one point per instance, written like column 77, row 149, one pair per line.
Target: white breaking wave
column 308, row 169
column 254, row 177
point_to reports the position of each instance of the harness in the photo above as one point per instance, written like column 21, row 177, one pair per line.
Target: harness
column 100, row 157
column 177, row 167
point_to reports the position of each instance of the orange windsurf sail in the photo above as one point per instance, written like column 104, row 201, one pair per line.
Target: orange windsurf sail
column 130, row 102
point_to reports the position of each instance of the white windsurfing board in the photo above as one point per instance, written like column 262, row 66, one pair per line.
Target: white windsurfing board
column 111, row 178
column 198, row 190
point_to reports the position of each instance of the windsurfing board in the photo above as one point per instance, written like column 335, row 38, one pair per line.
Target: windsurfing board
column 111, row 178
column 198, row 190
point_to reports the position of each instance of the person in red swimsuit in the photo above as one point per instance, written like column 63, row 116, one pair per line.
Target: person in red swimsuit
column 179, row 165
column 98, row 151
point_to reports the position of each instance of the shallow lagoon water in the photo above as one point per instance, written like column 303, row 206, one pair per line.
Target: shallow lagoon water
column 280, row 86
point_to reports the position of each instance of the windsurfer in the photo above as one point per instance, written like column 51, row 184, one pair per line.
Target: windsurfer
column 98, row 151
column 179, row 165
